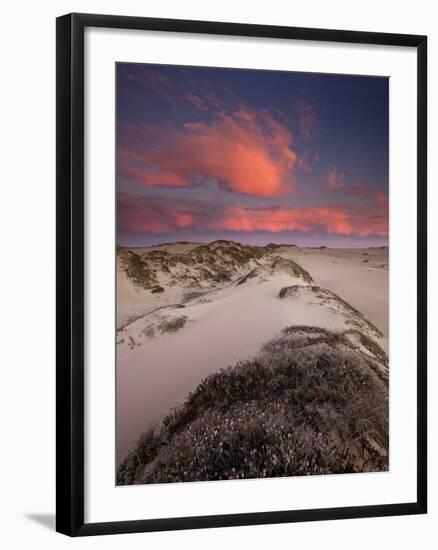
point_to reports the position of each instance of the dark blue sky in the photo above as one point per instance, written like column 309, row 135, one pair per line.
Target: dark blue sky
column 254, row 156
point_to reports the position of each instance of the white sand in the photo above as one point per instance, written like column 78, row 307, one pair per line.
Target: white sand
column 155, row 374
column 363, row 284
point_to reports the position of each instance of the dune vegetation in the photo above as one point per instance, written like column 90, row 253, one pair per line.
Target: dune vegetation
column 312, row 401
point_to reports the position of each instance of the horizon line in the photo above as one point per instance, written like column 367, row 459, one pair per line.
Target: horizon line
column 321, row 246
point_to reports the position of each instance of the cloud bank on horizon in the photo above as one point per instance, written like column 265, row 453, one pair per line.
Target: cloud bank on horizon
column 254, row 156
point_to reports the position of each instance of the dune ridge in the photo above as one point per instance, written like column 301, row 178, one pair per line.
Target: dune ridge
column 224, row 305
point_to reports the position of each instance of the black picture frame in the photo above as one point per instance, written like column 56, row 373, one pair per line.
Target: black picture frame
column 70, row 273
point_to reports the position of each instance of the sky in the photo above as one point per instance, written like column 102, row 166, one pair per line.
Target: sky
column 251, row 156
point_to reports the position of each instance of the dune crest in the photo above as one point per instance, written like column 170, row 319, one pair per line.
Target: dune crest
column 188, row 311
column 311, row 402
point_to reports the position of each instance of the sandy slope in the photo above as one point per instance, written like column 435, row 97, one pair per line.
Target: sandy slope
column 167, row 344
column 359, row 276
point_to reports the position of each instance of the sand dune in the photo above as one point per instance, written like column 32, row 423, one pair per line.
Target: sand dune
column 360, row 276
column 186, row 311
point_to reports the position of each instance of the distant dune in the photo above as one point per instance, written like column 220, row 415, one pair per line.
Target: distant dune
column 188, row 310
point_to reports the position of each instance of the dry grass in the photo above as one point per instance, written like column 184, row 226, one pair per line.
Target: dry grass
column 170, row 326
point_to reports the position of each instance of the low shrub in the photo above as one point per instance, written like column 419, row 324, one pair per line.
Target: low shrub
column 309, row 403
column 157, row 289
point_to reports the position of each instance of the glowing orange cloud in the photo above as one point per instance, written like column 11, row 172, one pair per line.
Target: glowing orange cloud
column 155, row 215
column 244, row 152
column 302, row 219
column 333, row 220
column 161, row 215
column 161, row 177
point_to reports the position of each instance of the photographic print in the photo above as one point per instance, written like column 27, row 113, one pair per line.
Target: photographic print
column 252, row 274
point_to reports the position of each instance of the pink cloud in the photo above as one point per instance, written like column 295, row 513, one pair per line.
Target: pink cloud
column 285, row 219
column 165, row 178
column 163, row 215
column 335, row 219
column 196, row 101
column 154, row 215
column 244, row 152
